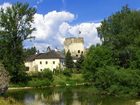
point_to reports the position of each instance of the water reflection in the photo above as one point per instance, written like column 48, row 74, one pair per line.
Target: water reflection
column 66, row 96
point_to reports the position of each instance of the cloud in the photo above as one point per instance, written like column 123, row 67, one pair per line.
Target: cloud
column 53, row 27
column 47, row 26
column 5, row 5
column 86, row 30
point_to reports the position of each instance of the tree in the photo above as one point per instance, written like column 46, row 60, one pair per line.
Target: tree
column 121, row 33
column 96, row 57
column 68, row 60
column 113, row 67
column 15, row 27
column 29, row 51
column 79, row 62
column 4, row 79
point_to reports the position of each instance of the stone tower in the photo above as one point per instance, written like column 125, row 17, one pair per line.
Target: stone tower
column 75, row 45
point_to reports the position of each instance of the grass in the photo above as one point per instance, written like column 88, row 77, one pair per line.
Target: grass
column 58, row 80
column 8, row 101
column 63, row 80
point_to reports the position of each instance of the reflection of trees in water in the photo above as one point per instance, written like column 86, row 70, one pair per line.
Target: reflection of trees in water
column 66, row 96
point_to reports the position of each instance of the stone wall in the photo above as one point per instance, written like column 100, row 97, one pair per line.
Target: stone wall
column 74, row 45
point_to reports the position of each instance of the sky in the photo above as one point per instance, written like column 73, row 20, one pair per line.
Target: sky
column 56, row 20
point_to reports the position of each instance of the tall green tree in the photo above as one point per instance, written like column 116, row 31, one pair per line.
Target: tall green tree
column 29, row 51
column 15, row 27
column 68, row 60
column 79, row 62
column 113, row 67
column 96, row 57
column 121, row 33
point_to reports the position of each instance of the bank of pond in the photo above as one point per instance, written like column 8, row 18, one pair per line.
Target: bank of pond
column 70, row 95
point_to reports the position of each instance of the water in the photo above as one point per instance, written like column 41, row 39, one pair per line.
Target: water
column 67, row 96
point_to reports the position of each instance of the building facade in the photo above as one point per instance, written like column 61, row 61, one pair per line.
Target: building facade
column 50, row 60
column 74, row 45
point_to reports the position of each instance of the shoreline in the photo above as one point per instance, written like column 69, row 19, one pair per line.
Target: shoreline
column 28, row 87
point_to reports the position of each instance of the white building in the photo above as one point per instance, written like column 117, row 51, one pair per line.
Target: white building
column 74, row 45
column 51, row 60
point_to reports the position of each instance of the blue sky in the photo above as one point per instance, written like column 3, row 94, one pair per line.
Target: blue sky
column 83, row 15
column 86, row 10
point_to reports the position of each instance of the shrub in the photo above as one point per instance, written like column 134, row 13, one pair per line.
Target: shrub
column 47, row 74
column 117, row 81
column 67, row 72
column 39, row 82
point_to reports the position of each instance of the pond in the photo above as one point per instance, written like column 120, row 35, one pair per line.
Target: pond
column 67, row 96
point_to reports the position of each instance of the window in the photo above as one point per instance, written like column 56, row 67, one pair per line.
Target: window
column 40, row 62
column 82, row 52
column 40, row 69
column 78, row 51
column 46, row 62
column 53, row 62
column 76, row 55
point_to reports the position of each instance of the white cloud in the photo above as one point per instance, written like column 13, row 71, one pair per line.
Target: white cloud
column 5, row 5
column 86, row 30
column 53, row 27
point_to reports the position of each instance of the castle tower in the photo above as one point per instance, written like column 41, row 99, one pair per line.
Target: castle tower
column 74, row 45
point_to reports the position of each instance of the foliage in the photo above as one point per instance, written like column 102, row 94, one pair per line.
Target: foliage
column 113, row 67
column 63, row 80
column 47, row 74
column 15, row 27
column 29, row 51
column 41, row 79
column 95, row 58
column 121, row 33
column 36, row 82
column 68, row 60
column 67, row 72
column 79, row 62
column 118, row 81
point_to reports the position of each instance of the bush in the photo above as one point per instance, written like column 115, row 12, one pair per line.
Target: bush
column 67, row 72
column 39, row 82
column 47, row 74
column 41, row 79
column 117, row 81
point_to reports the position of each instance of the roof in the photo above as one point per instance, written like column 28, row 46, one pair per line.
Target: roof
column 49, row 55
column 32, row 57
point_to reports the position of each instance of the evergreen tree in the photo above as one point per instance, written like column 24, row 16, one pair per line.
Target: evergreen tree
column 29, row 51
column 68, row 60
column 79, row 62
column 15, row 27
